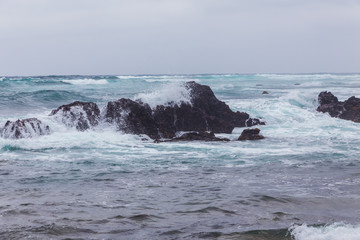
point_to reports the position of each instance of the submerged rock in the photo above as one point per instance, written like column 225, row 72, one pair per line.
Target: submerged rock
column 132, row 117
column 348, row 110
column 196, row 136
column 25, row 128
column 251, row 134
column 82, row 115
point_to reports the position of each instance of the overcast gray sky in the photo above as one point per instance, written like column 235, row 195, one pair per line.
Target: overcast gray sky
column 42, row 37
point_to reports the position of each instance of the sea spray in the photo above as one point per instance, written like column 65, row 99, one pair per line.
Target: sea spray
column 168, row 94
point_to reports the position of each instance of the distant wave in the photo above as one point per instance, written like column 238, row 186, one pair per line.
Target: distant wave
column 158, row 78
column 308, row 76
column 85, row 81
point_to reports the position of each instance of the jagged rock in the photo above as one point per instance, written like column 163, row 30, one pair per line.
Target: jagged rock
column 196, row 136
column 250, row 134
column 348, row 110
column 82, row 115
column 25, row 128
column 132, row 117
column 327, row 98
column 205, row 113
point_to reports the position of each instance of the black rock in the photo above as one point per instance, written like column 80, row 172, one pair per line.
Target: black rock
column 196, row 136
column 250, row 134
column 205, row 113
column 25, row 128
column 132, row 117
column 265, row 92
column 82, row 115
column 327, row 98
column 348, row 110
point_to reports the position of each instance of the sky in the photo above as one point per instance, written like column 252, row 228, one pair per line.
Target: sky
column 105, row 37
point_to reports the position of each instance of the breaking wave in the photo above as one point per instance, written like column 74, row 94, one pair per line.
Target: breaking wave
column 167, row 94
column 86, row 81
column 336, row 231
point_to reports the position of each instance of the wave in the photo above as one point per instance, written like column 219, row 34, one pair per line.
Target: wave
column 336, row 231
column 309, row 76
column 159, row 78
column 85, row 81
column 167, row 94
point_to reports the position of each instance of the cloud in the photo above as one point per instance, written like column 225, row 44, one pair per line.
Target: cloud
column 178, row 36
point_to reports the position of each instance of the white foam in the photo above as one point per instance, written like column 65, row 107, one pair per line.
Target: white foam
column 128, row 77
column 167, row 94
column 309, row 76
column 336, row 231
column 86, row 81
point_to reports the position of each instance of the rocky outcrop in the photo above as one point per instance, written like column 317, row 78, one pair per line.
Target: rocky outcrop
column 132, row 117
column 82, row 115
column 196, row 136
column 205, row 113
column 348, row 110
column 250, row 134
column 25, row 128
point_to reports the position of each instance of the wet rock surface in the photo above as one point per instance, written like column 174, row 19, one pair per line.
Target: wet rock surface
column 26, row 128
column 196, row 136
column 347, row 110
column 132, row 117
column 204, row 113
column 250, row 134
column 82, row 115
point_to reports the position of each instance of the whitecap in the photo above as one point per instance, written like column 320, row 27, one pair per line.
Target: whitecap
column 320, row 76
column 336, row 231
column 86, row 81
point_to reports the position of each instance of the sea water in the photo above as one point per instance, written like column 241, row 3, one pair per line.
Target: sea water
column 301, row 182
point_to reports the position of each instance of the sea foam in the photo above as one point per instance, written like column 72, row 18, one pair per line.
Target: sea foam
column 336, row 231
column 167, row 94
column 86, row 81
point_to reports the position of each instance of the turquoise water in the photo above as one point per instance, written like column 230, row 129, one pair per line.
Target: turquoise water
column 300, row 182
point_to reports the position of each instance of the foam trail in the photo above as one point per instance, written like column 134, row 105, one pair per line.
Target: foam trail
column 336, row 231
column 168, row 94
column 86, row 81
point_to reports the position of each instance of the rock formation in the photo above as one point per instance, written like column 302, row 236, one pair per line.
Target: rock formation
column 348, row 110
column 132, row 117
column 82, row 115
column 205, row 113
column 25, row 128
column 250, row 134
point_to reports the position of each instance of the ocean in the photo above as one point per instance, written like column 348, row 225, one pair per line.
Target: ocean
column 301, row 182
